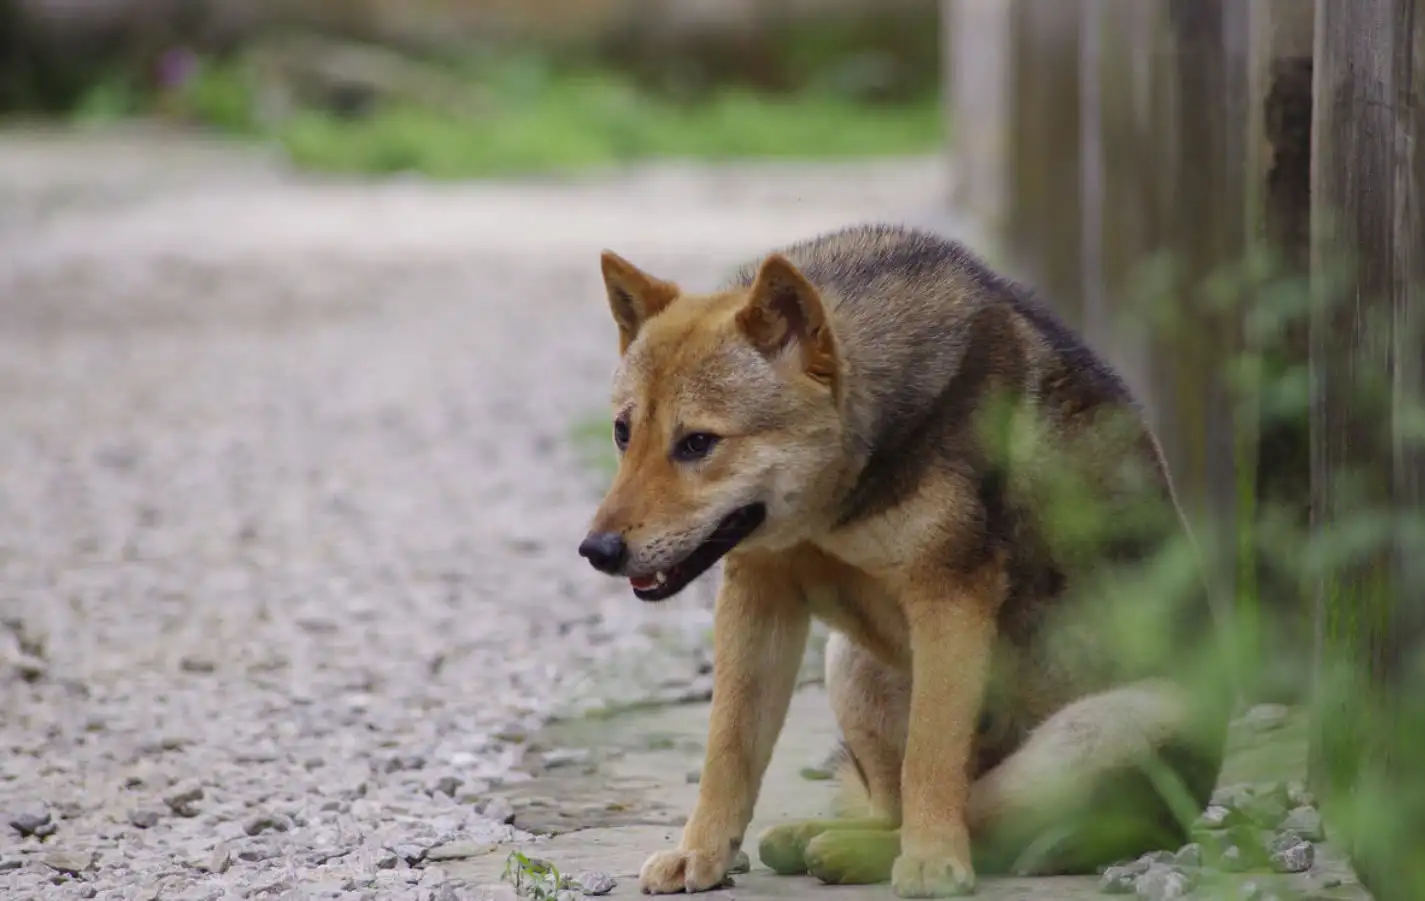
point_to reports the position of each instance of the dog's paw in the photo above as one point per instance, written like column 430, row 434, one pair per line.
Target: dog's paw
column 932, row 876
column 669, row 872
column 853, row 857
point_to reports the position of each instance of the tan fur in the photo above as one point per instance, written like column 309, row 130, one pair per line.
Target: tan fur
column 970, row 706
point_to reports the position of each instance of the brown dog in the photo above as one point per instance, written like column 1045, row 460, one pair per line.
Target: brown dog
column 874, row 429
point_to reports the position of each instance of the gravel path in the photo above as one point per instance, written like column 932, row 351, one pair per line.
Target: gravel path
column 288, row 503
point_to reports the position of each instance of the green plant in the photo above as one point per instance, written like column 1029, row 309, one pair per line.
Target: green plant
column 533, row 877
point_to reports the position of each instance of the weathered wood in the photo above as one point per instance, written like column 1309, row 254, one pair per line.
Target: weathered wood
column 1129, row 134
column 1368, row 194
column 978, row 72
column 1153, row 140
column 1279, row 196
column 1042, row 223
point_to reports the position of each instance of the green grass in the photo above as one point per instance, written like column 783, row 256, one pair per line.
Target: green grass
column 534, row 118
column 594, row 123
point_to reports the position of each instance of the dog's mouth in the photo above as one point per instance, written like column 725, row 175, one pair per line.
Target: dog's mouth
column 734, row 527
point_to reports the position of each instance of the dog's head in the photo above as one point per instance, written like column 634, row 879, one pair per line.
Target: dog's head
column 726, row 422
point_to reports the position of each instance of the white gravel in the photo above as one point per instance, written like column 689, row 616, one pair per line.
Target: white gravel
column 288, row 503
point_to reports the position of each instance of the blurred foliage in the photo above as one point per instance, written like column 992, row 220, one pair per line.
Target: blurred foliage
column 528, row 116
column 832, row 87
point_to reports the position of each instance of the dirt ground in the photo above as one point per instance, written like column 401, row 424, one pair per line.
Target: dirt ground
column 289, row 502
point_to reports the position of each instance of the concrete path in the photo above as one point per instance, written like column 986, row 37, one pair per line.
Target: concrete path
column 629, row 796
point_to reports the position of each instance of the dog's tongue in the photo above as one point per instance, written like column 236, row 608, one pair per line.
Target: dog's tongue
column 643, row 583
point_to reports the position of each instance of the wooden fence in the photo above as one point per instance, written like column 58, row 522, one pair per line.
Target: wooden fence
column 1093, row 136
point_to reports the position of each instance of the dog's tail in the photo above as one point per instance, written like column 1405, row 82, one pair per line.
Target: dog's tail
column 852, row 799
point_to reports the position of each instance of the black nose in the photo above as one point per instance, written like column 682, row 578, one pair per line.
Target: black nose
column 605, row 550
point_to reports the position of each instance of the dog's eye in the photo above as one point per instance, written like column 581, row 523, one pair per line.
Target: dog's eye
column 694, row 446
column 620, row 434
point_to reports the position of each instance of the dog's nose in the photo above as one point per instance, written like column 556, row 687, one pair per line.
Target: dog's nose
column 605, row 550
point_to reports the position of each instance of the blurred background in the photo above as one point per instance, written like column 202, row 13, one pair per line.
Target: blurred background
column 469, row 88
column 304, row 359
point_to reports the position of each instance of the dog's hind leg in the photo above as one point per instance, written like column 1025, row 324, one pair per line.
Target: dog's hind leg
column 872, row 704
column 1110, row 776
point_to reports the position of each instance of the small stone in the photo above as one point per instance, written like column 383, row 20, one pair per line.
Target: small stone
column 28, row 822
column 1295, row 857
column 10, row 863
column 432, row 875
column 458, row 850
column 498, row 809
column 183, row 799
column 447, row 785
column 741, row 863
column 1233, row 860
column 593, row 882
column 411, row 854
column 1118, row 881
column 445, row 892
column 1267, row 806
column 1162, row 857
column 256, row 853
column 1266, row 717
column 1215, row 816
column 220, row 861
column 1189, row 855
column 266, row 822
column 693, row 777
column 387, row 860
column 144, row 817
column 195, row 664
column 1164, row 883
column 1249, row 891
column 70, row 863
column 1330, row 881
column 405, row 762
column 1233, row 795
column 29, row 667
column 1305, row 822
column 1298, row 795
column 46, row 830
column 564, row 757
column 326, row 855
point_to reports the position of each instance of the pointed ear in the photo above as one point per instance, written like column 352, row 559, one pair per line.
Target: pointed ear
column 634, row 296
column 785, row 309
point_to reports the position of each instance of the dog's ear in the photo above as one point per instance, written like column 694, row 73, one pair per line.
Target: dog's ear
column 785, row 309
column 634, row 296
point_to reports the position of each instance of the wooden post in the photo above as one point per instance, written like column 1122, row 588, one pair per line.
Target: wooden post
column 1276, row 598
column 1043, row 220
column 1368, row 201
column 977, row 58
column 1127, row 138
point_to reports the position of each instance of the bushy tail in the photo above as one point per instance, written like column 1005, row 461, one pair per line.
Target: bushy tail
column 852, row 799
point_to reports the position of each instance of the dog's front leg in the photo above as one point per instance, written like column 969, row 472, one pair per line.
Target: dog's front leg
column 952, row 632
column 759, row 637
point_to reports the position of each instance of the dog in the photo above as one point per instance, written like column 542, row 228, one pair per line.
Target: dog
column 873, row 428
